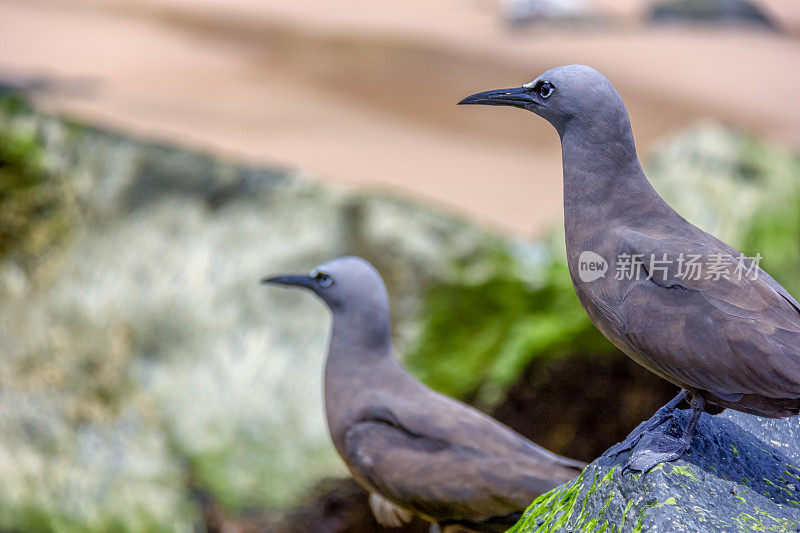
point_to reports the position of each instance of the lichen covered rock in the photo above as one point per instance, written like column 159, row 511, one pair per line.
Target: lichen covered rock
column 741, row 474
column 142, row 363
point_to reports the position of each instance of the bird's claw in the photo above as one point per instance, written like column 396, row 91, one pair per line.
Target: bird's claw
column 654, row 449
column 666, row 413
column 630, row 441
column 642, row 430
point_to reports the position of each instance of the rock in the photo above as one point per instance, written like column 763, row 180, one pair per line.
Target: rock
column 521, row 13
column 740, row 474
column 733, row 177
column 143, row 362
column 710, row 11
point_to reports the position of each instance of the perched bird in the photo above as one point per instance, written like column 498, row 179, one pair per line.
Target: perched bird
column 678, row 301
column 417, row 452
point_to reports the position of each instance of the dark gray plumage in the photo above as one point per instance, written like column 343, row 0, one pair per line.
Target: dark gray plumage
column 414, row 450
column 728, row 343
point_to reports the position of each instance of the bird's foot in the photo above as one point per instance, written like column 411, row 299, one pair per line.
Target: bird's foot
column 630, row 441
column 656, row 447
column 658, row 419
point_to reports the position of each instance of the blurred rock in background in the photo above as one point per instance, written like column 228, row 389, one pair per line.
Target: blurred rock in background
column 521, row 13
column 149, row 382
column 142, row 358
column 730, row 12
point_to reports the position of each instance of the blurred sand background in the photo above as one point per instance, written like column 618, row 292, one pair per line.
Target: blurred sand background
column 363, row 92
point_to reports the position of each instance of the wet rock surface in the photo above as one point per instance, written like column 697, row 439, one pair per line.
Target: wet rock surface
column 741, row 474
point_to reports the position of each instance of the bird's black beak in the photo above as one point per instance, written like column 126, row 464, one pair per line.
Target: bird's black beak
column 299, row 281
column 517, row 97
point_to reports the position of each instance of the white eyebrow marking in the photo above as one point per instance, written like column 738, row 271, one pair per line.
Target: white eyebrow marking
column 531, row 84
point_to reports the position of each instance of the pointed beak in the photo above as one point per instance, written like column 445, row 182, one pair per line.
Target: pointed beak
column 299, row 281
column 517, row 97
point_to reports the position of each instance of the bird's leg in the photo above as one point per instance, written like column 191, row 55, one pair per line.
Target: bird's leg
column 435, row 528
column 661, row 416
column 656, row 447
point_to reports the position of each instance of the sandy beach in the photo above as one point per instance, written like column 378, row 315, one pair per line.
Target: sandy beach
column 363, row 92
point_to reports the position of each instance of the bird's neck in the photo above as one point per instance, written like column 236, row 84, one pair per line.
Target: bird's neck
column 360, row 361
column 360, row 338
column 602, row 174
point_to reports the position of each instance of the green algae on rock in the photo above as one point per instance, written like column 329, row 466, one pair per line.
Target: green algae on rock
column 739, row 475
column 478, row 337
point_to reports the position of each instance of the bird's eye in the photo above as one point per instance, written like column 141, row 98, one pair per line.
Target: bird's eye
column 323, row 280
column 546, row 89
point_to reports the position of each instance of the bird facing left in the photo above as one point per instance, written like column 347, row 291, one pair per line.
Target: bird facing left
column 416, row 452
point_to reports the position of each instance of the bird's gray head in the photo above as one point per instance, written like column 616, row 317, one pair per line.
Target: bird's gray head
column 572, row 93
column 344, row 284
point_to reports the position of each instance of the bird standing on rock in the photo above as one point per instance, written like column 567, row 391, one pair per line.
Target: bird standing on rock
column 679, row 301
column 417, row 452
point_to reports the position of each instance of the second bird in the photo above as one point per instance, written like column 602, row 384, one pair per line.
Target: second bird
column 417, row 452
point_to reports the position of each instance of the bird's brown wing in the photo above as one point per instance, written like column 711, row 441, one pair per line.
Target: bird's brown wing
column 728, row 336
column 443, row 459
column 436, row 479
column 423, row 411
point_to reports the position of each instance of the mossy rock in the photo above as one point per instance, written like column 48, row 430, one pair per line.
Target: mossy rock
column 478, row 337
column 740, row 474
column 151, row 317
column 34, row 202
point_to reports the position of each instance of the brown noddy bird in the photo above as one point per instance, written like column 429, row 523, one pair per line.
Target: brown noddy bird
column 730, row 338
column 416, row 451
